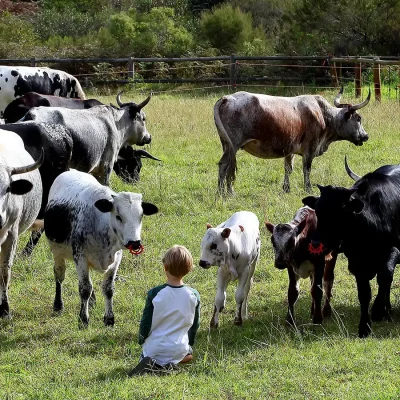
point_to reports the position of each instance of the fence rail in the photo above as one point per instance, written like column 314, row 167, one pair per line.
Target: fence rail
column 232, row 69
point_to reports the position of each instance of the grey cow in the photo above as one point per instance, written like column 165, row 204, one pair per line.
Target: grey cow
column 90, row 224
column 97, row 134
column 275, row 127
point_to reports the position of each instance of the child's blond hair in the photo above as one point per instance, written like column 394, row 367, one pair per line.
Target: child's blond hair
column 178, row 261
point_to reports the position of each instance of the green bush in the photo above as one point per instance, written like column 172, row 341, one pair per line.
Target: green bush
column 228, row 29
column 17, row 38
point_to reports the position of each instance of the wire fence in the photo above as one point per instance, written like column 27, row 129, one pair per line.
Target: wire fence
column 300, row 73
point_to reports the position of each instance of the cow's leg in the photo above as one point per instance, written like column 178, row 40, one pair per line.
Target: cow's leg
column 307, row 161
column 223, row 278
column 240, row 295
column 33, row 241
column 328, row 284
column 247, row 287
column 293, row 295
column 227, row 169
column 7, row 254
column 288, row 170
column 108, row 289
column 381, row 308
column 85, row 289
column 59, row 276
column 364, row 297
column 316, row 290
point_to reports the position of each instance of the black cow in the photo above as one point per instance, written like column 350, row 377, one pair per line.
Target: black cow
column 129, row 163
column 21, row 105
column 365, row 222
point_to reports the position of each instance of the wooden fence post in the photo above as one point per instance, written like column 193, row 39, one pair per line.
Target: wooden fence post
column 131, row 69
column 232, row 72
column 33, row 62
column 358, row 79
column 377, row 80
column 335, row 81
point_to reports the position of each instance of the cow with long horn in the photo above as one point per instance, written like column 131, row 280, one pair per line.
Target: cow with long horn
column 20, row 198
column 363, row 222
column 275, row 127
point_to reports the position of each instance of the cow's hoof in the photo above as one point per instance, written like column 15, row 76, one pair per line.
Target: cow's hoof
column 83, row 323
column 109, row 321
column 286, row 188
column 238, row 322
column 58, row 306
column 317, row 319
column 377, row 313
column 5, row 311
column 327, row 311
column 364, row 330
column 213, row 325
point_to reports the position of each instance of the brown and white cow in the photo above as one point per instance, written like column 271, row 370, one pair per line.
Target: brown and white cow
column 291, row 244
column 275, row 127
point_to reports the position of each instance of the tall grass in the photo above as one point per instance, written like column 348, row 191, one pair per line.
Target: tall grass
column 46, row 356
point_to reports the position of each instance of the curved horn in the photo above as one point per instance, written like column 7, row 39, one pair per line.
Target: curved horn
column 119, row 102
column 28, row 168
column 336, row 102
column 144, row 103
column 145, row 154
column 363, row 104
column 351, row 174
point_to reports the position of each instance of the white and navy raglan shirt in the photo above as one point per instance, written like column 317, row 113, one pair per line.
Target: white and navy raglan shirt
column 170, row 320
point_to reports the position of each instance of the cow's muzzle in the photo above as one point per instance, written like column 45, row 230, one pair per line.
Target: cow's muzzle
column 204, row 264
column 145, row 140
column 361, row 139
column 135, row 247
column 280, row 265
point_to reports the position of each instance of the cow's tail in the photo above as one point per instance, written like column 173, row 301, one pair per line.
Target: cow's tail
column 229, row 156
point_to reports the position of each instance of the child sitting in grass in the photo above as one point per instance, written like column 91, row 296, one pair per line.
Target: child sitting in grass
column 170, row 317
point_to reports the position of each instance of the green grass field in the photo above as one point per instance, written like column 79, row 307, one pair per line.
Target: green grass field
column 46, row 356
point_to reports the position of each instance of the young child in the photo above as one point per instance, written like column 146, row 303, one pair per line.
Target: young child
column 170, row 317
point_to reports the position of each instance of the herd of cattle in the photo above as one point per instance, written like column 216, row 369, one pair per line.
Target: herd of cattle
column 53, row 138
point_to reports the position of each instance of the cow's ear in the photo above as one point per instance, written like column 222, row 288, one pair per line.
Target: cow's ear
column 149, row 209
column 355, row 205
column 310, row 201
column 241, row 228
column 104, row 205
column 225, row 233
column 21, row 186
column 270, row 226
column 347, row 115
column 209, row 226
column 301, row 226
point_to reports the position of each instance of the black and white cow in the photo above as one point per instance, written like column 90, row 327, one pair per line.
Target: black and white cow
column 234, row 246
column 365, row 222
column 20, row 195
column 291, row 244
column 90, row 224
column 17, row 81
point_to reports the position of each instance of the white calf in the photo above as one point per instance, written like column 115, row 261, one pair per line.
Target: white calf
column 234, row 246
